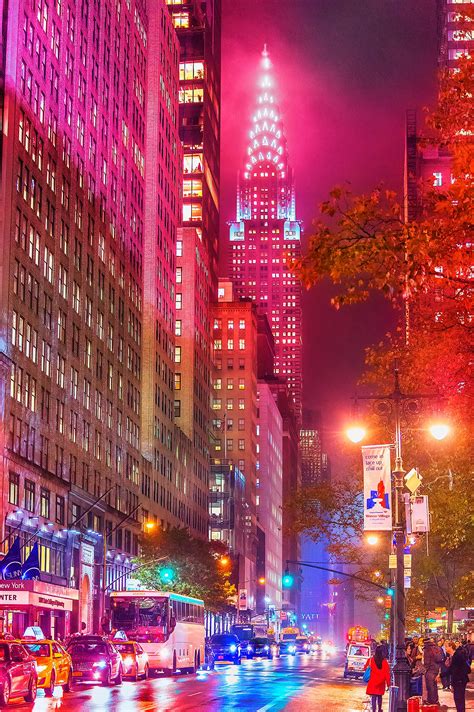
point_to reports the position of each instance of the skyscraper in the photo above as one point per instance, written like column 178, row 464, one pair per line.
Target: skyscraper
column 88, row 229
column 197, row 24
column 266, row 234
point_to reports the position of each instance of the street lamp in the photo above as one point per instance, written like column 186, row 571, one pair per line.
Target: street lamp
column 372, row 539
column 439, row 431
column 356, row 433
column 398, row 403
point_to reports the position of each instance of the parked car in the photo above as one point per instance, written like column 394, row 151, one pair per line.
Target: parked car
column 95, row 659
column 53, row 663
column 259, row 648
column 223, row 648
column 134, row 659
column 18, row 676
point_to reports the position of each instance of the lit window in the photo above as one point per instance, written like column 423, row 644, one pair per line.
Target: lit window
column 438, row 179
column 192, row 212
column 177, row 381
column 181, row 19
column 178, row 327
column 179, row 301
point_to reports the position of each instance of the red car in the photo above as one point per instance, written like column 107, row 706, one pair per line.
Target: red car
column 95, row 659
column 18, row 675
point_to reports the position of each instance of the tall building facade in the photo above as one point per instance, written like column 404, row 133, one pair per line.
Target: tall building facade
column 266, row 234
column 89, row 211
column 270, row 495
column 455, row 34
column 235, row 412
column 431, row 162
column 197, row 24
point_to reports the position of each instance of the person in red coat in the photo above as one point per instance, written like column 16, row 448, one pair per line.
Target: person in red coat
column 379, row 678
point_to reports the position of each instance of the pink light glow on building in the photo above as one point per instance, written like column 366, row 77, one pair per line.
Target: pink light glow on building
column 266, row 233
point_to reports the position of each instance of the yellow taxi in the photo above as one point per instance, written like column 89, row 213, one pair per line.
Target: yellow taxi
column 53, row 663
column 134, row 659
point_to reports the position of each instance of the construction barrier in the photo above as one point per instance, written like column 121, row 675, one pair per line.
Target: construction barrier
column 414, row 704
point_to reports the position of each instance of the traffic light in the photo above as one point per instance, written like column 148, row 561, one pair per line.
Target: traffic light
column 387, row 616
column 418, row 620
column 390, row 592
column 167, row 575
column 288, row 580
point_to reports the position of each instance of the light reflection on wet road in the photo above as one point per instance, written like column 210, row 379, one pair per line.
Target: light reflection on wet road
column 301, row 684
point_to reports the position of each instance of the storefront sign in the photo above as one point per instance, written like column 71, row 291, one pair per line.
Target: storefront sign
column 36, row 593
column 377, row 488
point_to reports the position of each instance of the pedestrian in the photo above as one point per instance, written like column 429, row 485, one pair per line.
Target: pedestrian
column 444, row 667
column 432, row 661
column 379, row 678
column 384, row 646
column 459, row 669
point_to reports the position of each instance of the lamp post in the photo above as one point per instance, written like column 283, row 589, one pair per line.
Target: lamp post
column 104, row 558
column 398, row 399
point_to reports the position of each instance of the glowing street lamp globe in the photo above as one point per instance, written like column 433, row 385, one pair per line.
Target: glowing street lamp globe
column 356, row 433
column 439, row 431
column 372, row 539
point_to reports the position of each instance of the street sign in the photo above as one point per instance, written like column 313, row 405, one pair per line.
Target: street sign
column 407, row 561
column 420, row 518
column 407, row 582
column 392, row 561
column 413, row 480
column 243, row 599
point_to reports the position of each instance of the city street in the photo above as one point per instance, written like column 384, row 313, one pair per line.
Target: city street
column 296, row 684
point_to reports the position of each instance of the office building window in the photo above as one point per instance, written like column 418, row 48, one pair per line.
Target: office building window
column 14, row 489
column 29, row 496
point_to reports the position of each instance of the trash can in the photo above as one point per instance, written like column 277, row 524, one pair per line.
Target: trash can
column 392, row 698
column 414, row 704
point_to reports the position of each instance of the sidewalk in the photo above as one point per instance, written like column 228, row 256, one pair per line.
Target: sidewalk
column 446, row 699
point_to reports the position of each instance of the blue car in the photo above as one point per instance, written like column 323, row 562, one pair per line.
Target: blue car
column 223, row 648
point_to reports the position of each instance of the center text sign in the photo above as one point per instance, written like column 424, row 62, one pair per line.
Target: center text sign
column 377, row 488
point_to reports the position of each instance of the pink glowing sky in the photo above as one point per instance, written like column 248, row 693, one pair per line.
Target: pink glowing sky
column 346, row 72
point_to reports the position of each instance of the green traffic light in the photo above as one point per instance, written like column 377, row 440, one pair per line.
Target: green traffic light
column 387, row 616
column 418, row 620
column 288, row 580
column 390, row 592
column 167, row 575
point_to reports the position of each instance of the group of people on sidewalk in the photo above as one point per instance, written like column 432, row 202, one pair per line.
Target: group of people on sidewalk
column 431, row 661
column 441, row 660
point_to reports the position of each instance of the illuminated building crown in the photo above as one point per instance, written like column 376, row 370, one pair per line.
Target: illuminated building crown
column 267, row 152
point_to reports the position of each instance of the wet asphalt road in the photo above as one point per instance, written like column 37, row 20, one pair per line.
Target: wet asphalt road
column 301, row 684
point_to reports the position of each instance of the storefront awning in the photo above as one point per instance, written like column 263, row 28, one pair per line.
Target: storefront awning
column 17, row 594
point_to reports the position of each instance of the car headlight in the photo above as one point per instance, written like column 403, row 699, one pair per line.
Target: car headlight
column 101, row 664
column 266, row 647
column 233, row 648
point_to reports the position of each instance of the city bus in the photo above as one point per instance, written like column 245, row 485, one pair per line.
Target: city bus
column 168, row 626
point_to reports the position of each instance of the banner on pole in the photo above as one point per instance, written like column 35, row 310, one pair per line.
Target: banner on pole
column 243, row 599
column 377, row 488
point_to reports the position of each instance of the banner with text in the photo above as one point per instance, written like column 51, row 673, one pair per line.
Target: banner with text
column 377, row 488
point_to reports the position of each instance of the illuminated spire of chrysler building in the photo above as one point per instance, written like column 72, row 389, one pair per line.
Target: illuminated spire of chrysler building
column 266, row 233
